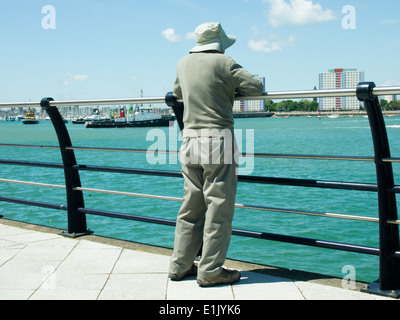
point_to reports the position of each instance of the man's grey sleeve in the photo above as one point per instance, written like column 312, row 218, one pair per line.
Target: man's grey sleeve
column 246, row 84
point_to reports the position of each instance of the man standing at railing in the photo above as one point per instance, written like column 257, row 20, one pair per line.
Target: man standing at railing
column 207, row 81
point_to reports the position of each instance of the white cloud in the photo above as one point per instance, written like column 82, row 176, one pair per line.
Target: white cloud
column 297, row 12
column 79, row 77
column 390, row 21
column 170, row 35
column 190, row 36
column 391, row 83
column 270, row 45
column 74, row 77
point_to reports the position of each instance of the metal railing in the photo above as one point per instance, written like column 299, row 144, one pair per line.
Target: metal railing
column 388, row 251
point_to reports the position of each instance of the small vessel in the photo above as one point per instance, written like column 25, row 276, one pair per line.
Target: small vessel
column 30, row 117
column 333, row 116
column 78, row 120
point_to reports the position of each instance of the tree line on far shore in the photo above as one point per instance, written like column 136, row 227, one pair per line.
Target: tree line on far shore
column 290, row 105
column 309, row 106
column 390, row 106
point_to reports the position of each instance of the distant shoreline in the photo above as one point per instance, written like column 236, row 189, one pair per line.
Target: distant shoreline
column 253, row 114
column 324, row 114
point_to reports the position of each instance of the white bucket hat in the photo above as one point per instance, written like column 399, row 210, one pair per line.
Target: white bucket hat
column 211, row 36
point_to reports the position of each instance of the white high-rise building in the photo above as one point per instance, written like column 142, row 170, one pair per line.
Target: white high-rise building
column 250, row 105
column 389, row 98
column 340, row 79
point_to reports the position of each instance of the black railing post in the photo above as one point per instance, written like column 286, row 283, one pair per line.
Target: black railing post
column 177, row 107
column 76, row 220
column 389, row 265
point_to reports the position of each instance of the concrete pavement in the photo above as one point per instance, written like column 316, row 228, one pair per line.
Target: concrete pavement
column 36, row 263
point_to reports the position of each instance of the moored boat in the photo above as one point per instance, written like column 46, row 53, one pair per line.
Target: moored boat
column 30, row 118
column 333, row 116
column 141, row 119
column 78, row 120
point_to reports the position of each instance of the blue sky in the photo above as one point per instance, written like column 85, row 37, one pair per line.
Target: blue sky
column 115, row 49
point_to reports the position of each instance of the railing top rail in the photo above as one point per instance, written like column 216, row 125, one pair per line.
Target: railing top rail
column 378, row 91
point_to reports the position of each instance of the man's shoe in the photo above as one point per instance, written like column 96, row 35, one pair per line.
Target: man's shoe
column 178, row 276
column 225, row 277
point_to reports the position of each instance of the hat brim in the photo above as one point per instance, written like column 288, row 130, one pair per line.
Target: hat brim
column 225, row 43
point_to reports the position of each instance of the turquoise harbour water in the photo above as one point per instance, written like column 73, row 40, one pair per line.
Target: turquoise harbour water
column 341, row 136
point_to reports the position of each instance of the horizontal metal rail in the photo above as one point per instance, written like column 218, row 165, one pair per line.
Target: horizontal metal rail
column 32, row 163
column 308, row 157
column 256, row 155
column 28, row 146
column 169, row 198
column 246, row 233
column 242, row 178
column 237, row 205
column 30, row 183
column 378, row 91
column 94, row 102
column 238, row 232
column 34, row 203
column 307, row 241
column 342, row 185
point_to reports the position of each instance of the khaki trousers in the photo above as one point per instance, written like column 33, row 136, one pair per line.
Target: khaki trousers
column 205, row 217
